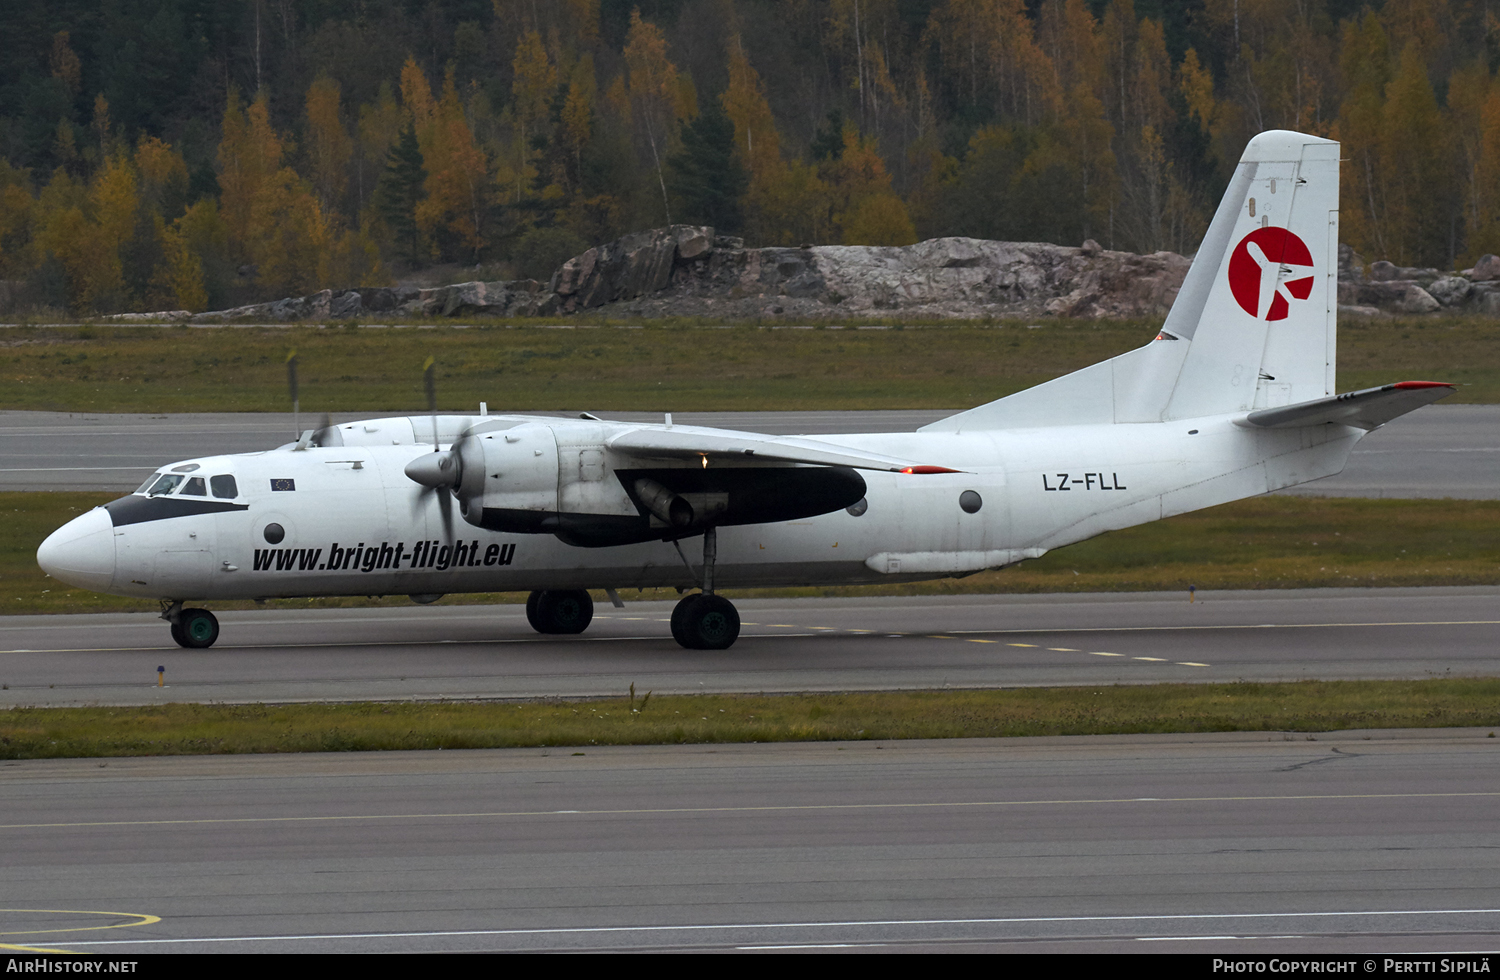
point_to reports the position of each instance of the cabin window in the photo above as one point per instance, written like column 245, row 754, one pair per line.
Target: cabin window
column 194, row 487
column 223, row 486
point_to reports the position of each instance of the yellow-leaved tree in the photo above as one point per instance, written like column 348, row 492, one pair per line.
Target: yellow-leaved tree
column 863, row 207
column 785, row 203
column 458, row 188
column 1482, row 211
column 531, row 91
column 578, row 112
column 328, row 144
column 658, row 99
column 275, row 222
column 1414, row 153
column 18, row 217
column 85, row 229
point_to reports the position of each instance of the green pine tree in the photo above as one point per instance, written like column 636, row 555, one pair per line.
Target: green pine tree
column 707, row 181
column 399, row 191
column 828, row 141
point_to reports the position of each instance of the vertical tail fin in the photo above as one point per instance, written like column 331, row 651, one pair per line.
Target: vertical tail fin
column 1258, row 306
column 1252, row 326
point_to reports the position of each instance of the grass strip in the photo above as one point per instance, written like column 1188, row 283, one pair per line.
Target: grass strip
column 198, row 729
column 1261, row 543
column 665, row 366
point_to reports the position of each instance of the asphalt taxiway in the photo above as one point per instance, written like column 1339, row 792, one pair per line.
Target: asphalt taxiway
column 1438, row 451
column 786, row 645
column 1355, row 841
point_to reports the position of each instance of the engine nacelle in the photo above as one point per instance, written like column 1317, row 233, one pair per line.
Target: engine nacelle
column 509, row 478
column 537, row 478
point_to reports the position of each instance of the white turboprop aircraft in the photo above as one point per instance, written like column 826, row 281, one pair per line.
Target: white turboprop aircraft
column 1233, row 398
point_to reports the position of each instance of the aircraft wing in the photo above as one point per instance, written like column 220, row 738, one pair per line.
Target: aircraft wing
column 686, row 442
column 1366, row 409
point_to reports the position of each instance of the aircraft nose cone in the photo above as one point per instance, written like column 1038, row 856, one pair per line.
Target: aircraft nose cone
column 81, row 552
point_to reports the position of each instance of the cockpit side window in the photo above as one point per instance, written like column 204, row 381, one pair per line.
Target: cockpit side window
column 194, row 487
column 166, row 484
column 224, row 486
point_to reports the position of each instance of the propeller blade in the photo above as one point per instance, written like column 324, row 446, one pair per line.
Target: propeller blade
column 445, row 508
column 430, row 382
column 291, row 381
column 322, row 434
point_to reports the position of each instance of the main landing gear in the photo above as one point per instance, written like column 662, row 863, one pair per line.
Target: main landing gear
column 702, row 621
column 559, row 610
column 706, row 621
column 196, row 629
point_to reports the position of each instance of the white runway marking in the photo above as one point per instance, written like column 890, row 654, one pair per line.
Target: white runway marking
column 787, row 808
column 763, row 926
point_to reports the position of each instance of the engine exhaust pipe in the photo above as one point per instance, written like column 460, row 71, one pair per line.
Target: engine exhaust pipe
column 663, row 503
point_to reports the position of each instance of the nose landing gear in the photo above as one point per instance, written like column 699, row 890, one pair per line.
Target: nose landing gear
column 195, row 629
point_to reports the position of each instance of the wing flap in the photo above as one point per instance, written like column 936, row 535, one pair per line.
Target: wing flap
column 1366, row 409
column 693, row 442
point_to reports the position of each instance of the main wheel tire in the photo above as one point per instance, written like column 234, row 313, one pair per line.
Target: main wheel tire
column 199, row 629
column 680, row 615
column 177, row 636
column 531, row 616
column 563, row 611
column 711, row 623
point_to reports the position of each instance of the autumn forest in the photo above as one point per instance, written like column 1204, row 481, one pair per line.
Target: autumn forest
column 196, row 154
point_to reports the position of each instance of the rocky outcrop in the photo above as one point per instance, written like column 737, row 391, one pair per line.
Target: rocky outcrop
column 677, row 272
column 523, row 297
column 687, row 270
column 1389, row 288
column 637, row 265
column 1487, row 269
column 519, row 297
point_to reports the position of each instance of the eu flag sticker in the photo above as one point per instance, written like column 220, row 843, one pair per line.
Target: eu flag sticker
column 283, row 484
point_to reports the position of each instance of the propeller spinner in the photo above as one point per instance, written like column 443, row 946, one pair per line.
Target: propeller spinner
column 437, row 469
column 444, row 471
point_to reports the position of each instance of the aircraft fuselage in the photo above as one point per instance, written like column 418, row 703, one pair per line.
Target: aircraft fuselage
column 347, row 520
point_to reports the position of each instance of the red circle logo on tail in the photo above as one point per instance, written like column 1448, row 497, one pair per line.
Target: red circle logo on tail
column 1255, row 272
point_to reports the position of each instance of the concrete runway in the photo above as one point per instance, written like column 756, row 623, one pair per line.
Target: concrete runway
column 428, row 652
column 1378, row 842
column 1438, row 451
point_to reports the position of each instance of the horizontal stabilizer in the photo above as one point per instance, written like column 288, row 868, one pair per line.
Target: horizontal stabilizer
column 692, row 442
column 1366, row 409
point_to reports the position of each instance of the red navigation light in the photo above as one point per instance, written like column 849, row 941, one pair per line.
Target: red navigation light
column 929, row 469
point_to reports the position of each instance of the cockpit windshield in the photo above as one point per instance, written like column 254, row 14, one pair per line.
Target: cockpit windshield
column 157, row 484
column 166, row 483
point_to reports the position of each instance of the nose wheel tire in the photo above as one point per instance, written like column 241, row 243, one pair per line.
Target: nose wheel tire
column 558, row 611
column 705, row 622
column 196, row 629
